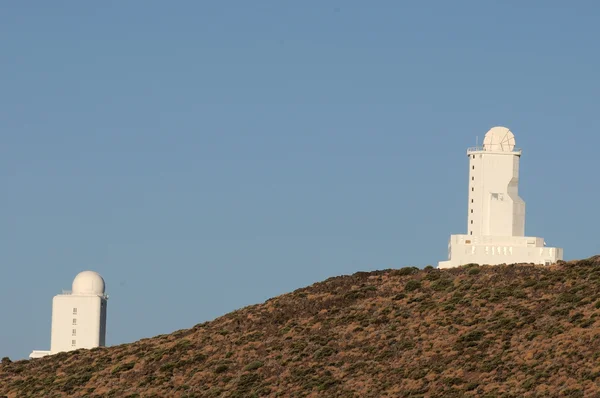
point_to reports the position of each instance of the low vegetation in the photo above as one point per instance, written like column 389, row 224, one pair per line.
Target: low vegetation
column 475, row 331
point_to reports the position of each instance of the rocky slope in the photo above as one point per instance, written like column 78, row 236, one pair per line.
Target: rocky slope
column 504, row 331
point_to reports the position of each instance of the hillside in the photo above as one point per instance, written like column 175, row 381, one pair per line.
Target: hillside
column 504, row 331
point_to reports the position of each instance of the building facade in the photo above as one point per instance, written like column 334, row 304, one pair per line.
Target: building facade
column 496, row 213
column 78, row 316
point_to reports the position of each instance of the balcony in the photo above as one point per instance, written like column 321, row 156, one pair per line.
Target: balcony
column 70, row 293
column 482, row 149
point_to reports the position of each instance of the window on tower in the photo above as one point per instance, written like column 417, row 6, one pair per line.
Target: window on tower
column 472, row 178
column 471, row 200
column 74, row 321
column 74, row 311
column 471, row 211
column 74, row 332
column 73, row 343
column 472, row 189
column 473, row 167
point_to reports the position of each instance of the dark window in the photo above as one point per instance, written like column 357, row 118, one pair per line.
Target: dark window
column 472, row 189
column 472, row 178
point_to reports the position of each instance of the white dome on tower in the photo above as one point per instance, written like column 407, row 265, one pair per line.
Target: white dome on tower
column 499, row 139
column 88, row 282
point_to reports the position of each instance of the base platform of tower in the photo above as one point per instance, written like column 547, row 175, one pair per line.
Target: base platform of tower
column 496, row 213
column 494, row 250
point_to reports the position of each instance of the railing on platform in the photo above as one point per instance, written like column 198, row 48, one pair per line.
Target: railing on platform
column 70, row 292
column 481, row 148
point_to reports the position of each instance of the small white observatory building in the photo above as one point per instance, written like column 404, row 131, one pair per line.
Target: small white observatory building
column 78, row 316
column 496, row 213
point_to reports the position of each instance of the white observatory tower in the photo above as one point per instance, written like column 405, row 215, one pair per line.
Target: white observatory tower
column 496, row 213
column 78, row 316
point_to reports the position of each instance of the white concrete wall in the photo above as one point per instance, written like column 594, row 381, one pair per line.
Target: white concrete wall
column 90, row 322
column 493, row 250
column 38, row 354
column 494, row 205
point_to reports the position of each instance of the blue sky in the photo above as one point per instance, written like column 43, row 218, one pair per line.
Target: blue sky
column 204, row 156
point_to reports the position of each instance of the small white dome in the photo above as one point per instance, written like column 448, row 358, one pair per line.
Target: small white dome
column 499, row 139
column 88, row 282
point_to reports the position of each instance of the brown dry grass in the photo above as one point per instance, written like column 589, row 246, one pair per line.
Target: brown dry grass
column 504, row 331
